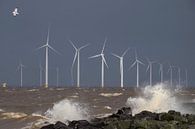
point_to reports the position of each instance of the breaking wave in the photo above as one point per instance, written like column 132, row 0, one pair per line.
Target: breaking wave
column 66, row 110
column 158, row 98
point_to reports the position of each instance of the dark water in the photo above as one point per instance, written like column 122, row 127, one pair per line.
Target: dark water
column 99, row 101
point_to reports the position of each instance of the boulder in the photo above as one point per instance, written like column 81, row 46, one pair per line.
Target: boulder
column 51, row 126
column 60, row 125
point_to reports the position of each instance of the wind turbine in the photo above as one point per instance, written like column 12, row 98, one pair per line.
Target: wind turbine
column 40, row 74
column 161, row 72
column 77, row 56
column 171, row 74
column 186, row 73
column 103, row 61
column 179, row 76
column 20, row 67
column 150, row 64
column 47, row 47
column 121, row 58
column 137, row 63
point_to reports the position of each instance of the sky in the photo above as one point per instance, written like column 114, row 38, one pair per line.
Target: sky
column 162, row 30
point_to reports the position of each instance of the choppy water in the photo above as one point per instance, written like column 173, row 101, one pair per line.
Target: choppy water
column 29, row 108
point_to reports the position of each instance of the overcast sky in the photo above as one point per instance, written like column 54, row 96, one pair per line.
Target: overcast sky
column 162, row 30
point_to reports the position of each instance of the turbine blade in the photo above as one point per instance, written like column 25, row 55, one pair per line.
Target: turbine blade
column 41, row 47
column 53, row 49
column 140, row 62
column 132, row 65
column 104, row 45
column 116, row 55
column 75, row 56
column 73, row 45
column 48, row 34
column 125, row 52
column 105, row 61
column 147, row 68
column 84, row 46
column 95, row 56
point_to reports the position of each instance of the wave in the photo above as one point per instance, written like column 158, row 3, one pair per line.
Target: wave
column 110, row 94
column 66, row 110
column 13, row 115
column 158, row 98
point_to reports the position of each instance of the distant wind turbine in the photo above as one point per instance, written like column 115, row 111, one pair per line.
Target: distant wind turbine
column 77, row 56
column 170, row 70
column 137, row 63
column 121, row 58
column 47, row 47
column 20, row 67
column 40, row 74
column 103, row 61
column 179, row 76
column 161, row 72
column 150, row 64
column 186, row 74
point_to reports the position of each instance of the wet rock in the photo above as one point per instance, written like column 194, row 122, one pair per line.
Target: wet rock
column 60, row 125
column 51, row 126
column 146, row 115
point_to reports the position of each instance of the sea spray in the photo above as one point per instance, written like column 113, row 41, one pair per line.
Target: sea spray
column 157, row 98
column 67, row 110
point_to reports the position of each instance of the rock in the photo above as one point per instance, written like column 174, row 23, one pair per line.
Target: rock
column 146, row 115
column 123, row 119
column 124, row 111
column 51, row 126
column 60, row 125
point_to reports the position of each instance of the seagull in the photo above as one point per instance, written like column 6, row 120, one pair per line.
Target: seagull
column 15, row 12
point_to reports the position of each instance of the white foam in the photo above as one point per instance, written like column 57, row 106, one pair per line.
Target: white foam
column 158, row 98
column 110, row 94
column 33, row 90
column 13, row 115
column 67, row 110
column 1, row 110
column 107, row 107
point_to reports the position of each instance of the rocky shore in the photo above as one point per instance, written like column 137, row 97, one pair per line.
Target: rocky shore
column 123, row 119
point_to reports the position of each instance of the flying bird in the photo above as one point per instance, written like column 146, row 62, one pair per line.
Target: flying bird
column 15, row 12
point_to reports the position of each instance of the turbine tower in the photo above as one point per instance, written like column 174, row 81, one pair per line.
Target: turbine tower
column 77, row 56
column 171, row 74
column 121, row 58
column 179, row 76
column 161, row 72
column 47, row 47
column 150, row 64
column 137, row 63
column 20, row 67
column 103, row 62
column 186, row 81
column 40, row 74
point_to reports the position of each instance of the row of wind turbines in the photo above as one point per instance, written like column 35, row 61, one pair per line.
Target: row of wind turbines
column 136, row 64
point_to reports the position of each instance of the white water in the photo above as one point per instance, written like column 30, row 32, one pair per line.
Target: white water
column 158, row 98
column 67, row 110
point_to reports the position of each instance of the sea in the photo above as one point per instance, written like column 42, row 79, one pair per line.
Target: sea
column 31, row 108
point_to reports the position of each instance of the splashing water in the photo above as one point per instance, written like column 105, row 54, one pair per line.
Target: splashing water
column 67, row 110
column 158, row 98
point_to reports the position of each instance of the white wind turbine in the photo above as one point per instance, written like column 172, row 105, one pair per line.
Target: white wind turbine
column 121, row 58
column 47, row 47
column 171, row 74
column 150, row 64
column 161, row 72
column 103, row 62
column 179, row 76
column 137, row 63
column 40, row 74
column 77, row 56
column 20, row 67
column 186, row 79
